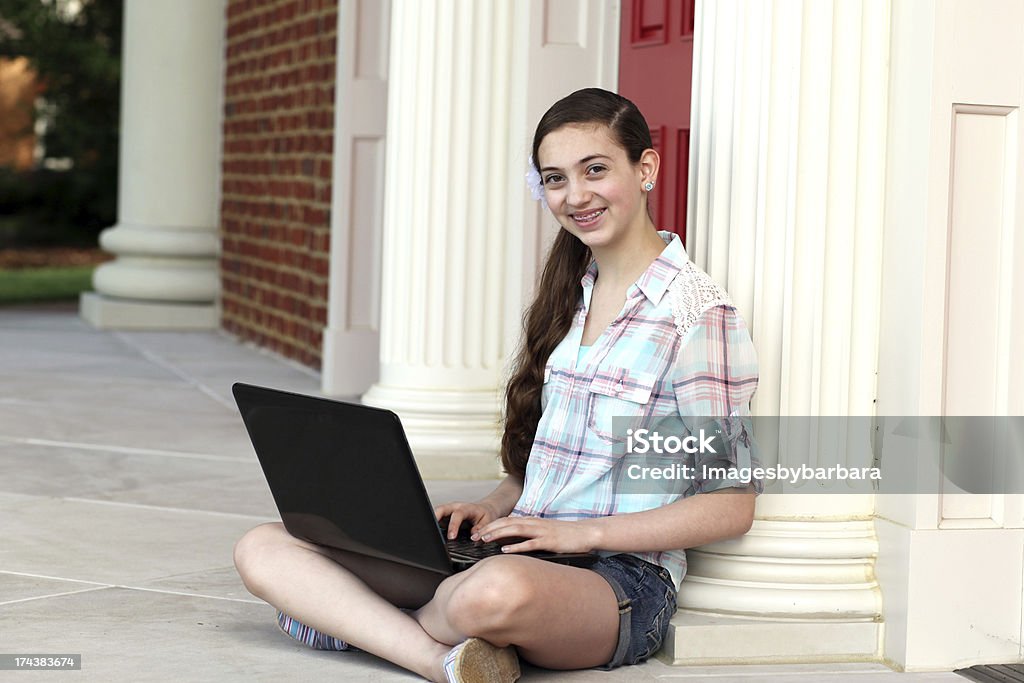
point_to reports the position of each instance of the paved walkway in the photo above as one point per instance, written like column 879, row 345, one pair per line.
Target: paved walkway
column 125, row 478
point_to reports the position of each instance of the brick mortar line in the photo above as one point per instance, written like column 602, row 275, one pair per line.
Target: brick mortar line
column 233, row 79
column 282, row 48
column 255, row 53
column 282, row 315
column 241, row 303
column 272, row 135
column 267, row 92
column 270, row 8
column 300, row 17
column 259, row 286
column 307, row 277
column 284, row 270
column 235, row 137
column 293, row 251
column 293, row 111
column 258, row 156
column 300, row 111
column 276, row 335
column 267, row 326
column 233, row 41
column 243, row 236
column 279, row 200
column 272, row 175
column 264, row 285
column 324, row 184
column 282, row 202
column 283, row 177
column 271, row 221
column 320, row 229
column 284, row 111
column 238, row 316
column 305, row 129
column 274, row 222
column 238, row 175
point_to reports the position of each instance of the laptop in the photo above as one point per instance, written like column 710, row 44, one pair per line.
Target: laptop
column 343, row 476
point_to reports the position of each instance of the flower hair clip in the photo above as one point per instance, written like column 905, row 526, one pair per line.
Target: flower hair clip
column 535, row 183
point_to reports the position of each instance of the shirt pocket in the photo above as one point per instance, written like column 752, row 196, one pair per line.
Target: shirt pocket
column 618, row 392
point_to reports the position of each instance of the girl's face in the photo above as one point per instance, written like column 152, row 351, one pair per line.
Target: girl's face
column 590, row 185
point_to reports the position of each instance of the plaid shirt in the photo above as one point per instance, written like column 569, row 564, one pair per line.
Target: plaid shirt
column 640, row 367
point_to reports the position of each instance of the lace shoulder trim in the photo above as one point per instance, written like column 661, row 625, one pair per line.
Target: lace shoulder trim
column 693, row 292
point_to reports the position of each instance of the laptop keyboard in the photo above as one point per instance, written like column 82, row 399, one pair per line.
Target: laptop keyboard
column 476, row 550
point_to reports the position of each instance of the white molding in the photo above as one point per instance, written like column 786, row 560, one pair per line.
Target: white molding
column 351, row 339
column 954, row 185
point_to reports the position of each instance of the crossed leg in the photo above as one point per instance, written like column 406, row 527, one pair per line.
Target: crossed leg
column 558, row 616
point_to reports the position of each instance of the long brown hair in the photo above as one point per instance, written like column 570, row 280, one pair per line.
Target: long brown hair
column 549, row 317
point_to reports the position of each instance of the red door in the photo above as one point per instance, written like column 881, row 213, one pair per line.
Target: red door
column 656, row 71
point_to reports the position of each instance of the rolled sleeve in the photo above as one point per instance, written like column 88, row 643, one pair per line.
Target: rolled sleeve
column 714, row 379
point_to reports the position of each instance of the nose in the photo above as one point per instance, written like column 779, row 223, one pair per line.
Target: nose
column 578, row 195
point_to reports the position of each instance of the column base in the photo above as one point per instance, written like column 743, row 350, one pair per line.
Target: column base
column 110, row 313
column 703, row 639
column 453, row 433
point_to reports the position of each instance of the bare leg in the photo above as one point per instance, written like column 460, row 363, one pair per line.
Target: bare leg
column 340, row 594
column 557, row 616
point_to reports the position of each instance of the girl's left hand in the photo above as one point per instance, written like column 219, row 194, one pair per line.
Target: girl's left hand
column 536, row 533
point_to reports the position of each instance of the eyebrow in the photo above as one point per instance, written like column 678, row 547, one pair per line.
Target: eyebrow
column 581, row 162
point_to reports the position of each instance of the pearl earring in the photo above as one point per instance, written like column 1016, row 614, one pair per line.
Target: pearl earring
column 648, row 186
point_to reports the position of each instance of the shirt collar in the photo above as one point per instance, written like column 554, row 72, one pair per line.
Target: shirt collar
column 654, row 281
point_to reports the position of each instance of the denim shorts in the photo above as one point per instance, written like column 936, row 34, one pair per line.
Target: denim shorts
column 647, row 601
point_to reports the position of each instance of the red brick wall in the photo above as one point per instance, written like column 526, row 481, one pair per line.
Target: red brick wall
column 276, row 187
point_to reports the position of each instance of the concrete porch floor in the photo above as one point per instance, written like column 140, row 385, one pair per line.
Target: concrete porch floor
column 125, row 478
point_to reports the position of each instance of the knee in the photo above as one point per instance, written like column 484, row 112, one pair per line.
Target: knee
column 253, row 555
column 488, row 601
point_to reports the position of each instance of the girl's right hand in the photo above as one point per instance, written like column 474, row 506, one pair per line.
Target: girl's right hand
column 477, row 514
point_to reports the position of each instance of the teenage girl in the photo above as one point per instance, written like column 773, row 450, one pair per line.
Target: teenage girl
column 622, row 325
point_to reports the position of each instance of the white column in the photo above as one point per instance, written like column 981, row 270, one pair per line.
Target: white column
column 166, row 239
column 467, row 82
column 452, row 247
column 786, row 193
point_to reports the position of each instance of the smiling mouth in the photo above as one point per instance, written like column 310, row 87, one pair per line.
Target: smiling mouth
column 586, row 218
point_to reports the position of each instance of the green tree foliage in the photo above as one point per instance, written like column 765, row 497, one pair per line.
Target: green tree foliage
column 75, row 48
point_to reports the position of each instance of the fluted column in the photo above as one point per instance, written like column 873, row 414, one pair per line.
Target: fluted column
column 452, row 246
column 786, row 196
column 166, row 238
